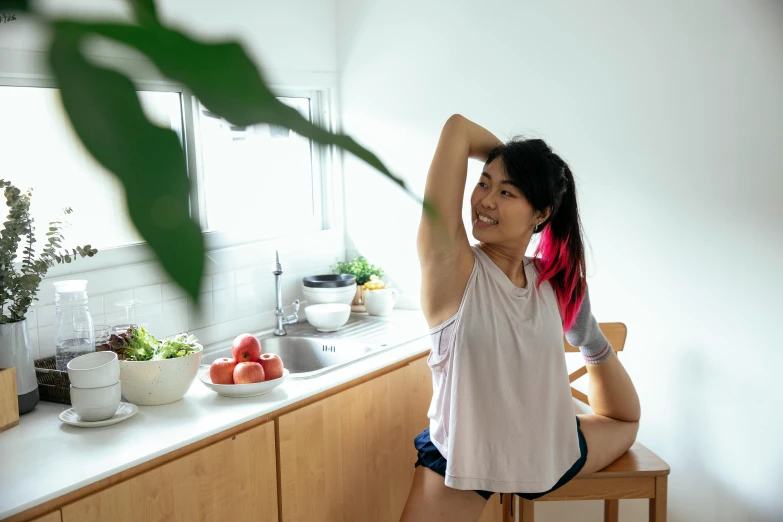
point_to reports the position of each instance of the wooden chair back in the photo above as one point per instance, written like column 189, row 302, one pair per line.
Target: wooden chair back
column 616, row 334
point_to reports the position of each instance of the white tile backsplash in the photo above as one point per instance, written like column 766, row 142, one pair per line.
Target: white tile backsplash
column 115, row 318
column 206, row 284
column 96, row 304
column 291, row 288
column 244, row 276
column 147, row 294
column 110, row 301
column 150, row 316
column 266, row 296
column 172, row 291
column 222, row 280
column 224, row 304
column 45, row 341
column 200, row 315
column 99, row 319
column 175, row 317
column 237, row 295
column 247, row 300
column 45, row 315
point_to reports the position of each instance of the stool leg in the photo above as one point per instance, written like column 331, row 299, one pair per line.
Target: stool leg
column 658, row 504
column 611, row 510
column 526, row 510
column 508, row 498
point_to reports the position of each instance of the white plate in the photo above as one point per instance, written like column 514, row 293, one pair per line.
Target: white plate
column 243, row 390
column 126, row 410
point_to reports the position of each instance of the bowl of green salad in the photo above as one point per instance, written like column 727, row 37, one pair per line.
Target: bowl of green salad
column 152, row 371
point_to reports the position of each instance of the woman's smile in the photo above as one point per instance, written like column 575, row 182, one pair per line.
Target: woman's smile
column 484, row 221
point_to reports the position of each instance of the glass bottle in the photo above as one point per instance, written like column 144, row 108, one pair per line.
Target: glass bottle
column 73, row 328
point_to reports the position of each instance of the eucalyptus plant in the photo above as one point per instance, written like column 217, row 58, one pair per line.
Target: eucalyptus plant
column 18, row 288
column 104, row 110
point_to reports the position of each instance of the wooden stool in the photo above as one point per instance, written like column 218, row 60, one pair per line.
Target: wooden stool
column 639, row 473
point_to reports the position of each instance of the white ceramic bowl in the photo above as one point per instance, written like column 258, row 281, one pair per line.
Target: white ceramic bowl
column 94, row 370
column 342, row 295
column 243, row 390
column 95, row 404
column 328, row 317
column 152, row 383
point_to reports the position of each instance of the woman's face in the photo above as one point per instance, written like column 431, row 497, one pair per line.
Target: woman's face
column 495, row 199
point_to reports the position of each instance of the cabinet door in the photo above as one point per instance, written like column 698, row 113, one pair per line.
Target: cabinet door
column 350, row 456
column 234, row 479
column 54, row 516
column 419, row 392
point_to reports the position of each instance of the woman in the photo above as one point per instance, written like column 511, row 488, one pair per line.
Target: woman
column 501, row 417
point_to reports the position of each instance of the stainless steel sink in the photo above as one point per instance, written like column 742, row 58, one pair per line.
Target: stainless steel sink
column 307, row 357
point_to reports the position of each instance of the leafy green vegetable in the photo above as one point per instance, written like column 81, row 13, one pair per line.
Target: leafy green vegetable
column 140, row 345
column 180, row 346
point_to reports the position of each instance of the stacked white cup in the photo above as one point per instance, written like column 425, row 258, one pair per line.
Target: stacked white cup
column 95, row 385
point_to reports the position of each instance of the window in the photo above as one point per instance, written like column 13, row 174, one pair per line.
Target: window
column 41, row 151
column 249, row 183
column 260, row 181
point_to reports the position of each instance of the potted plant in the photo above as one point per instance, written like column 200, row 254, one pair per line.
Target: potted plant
column 363, row 271
column 19, row 282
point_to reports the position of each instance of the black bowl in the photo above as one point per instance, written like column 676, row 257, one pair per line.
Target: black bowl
column 329, row 281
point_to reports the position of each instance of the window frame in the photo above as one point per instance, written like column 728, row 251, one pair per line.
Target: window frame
column 320, row 87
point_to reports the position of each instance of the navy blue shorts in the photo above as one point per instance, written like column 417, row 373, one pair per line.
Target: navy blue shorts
column 430, row 457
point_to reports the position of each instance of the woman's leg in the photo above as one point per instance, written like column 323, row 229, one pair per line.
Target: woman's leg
column 611, row 430
column 430, row 500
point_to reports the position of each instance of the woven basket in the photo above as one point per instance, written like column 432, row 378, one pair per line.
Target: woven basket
column 53, row 385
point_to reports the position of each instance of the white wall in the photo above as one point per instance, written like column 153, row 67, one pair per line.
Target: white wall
column 294, row 43
column 670, row 115
column 292, row 35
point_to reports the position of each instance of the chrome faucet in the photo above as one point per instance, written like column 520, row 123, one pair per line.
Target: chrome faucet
column 280, row 319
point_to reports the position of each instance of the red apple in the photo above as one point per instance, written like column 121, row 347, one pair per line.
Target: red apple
column 273, row 366
column 246, row 348
column 222, row 371
column 248, row 372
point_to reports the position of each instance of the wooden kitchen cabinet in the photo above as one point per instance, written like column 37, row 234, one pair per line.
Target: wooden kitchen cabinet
column 350, row 456
column 54, row 516
column 230, row 480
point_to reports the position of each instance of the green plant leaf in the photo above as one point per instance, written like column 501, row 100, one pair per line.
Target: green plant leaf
column 149, row 161
column 14, row 5
column 227, row 82
column 145, row 10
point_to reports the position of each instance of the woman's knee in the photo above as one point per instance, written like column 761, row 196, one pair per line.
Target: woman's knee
column 607, row 440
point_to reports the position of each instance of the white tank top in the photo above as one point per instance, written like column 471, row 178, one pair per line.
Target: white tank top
column 501, row 411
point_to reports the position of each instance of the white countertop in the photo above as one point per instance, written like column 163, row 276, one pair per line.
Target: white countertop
column 43, row 458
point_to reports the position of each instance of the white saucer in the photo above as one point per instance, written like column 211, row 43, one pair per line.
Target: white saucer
column 126, row 410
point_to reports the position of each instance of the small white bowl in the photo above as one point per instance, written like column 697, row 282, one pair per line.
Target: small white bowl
column 94, row 370
column 96, row 404
column 243, row 390
column 152, row 383
column 328, row 317
column 344, row 295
